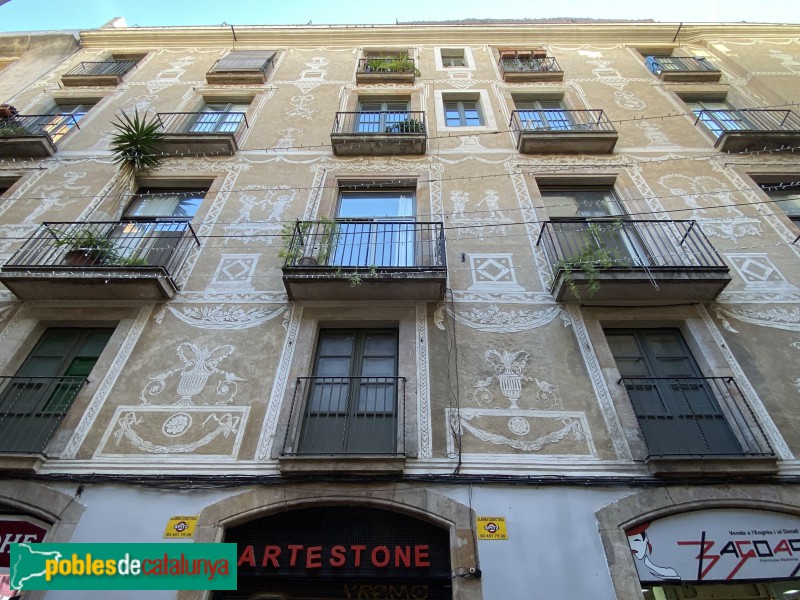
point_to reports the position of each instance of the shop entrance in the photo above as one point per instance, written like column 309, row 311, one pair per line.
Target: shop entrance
column 787, row 590
column 340, row 553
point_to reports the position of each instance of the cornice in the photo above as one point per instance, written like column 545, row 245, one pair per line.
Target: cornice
column 389, row 35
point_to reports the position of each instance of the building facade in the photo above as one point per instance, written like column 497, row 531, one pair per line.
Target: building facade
column 414, row 311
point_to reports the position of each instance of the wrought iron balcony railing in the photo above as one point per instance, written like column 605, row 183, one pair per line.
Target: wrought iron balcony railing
column 98, row 68
column 386, row 64
column 686, row 64
column 106, row 246
column 528, row 64
column 696, row 417
column 558, row 120
column 625, row 244
column 347, row 415
column 393, row 245
column 31, row 409
column 765, row 120
column 53, row 126
column 203, row 123
column 385, row 122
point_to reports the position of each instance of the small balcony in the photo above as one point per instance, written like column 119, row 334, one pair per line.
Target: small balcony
column 108, row 72
column 101, row 260
column 367, row 260
column 242, row 67
column 31, row 409
column 522, row 68
column 620, row 262
column 386, row 69
column 358, row 419
column 198, row 133
column 563, row 131
column 33, row 136
column 696, row 425
column 751, row 129
column 379, row 133
column 683, row 68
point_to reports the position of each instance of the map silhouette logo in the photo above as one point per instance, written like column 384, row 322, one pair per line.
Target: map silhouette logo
column 27, row 563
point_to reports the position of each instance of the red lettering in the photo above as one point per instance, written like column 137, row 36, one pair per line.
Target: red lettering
column 358, row 550
column 421, row 556
column 271, row 554
column 783, row 546
column 313, row 557
column 295, row 549
column 399, row 553
column 337, row 556
column 386, row 557
column 248, row 556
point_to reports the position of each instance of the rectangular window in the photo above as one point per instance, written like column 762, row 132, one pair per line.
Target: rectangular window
column 219, row 118
column 786, row 196
column 462, row 113
column 453, row 57
column 60, row 119
column 536, row 115
column 34, row 401
column 245, row 60
column 719, row 116
column 676, row 406
column 352, row 397
column 381, row 117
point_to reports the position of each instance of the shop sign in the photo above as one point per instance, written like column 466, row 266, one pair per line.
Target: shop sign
column 492, row 528
column 18, row 529
column 181, row 527
column 718, row 545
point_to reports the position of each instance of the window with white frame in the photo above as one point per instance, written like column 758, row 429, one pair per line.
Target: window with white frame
column 463, row 113
column 453, row 57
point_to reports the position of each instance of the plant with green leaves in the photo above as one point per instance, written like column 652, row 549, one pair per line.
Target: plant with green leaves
column 135, row 145
column 11, row 129
column 406, row 126
column 392, row 64
column 292, row 236
column 355, row 280
column 88, row 243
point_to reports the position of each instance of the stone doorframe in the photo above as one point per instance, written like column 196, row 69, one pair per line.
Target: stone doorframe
column 660, row 502
column 414, row 501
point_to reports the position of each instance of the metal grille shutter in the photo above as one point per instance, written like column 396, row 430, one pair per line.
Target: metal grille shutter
column 244, row 60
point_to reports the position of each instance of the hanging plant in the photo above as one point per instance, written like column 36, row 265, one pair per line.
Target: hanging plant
column 135, row 145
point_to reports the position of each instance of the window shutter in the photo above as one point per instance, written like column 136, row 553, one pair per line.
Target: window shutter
column 244, row 60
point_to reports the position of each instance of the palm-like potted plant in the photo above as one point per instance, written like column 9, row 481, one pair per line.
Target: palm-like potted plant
column 135, row 145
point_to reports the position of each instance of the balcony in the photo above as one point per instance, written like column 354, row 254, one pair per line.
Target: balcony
column 751, row 129
column 598, row 261
column 242, row 67
column 358, row 419
column 365, row 260
column 108, row 72
column 386, row 69
column 379, row 133
column 696, row 425
column 31, row 409
column 563, row 131
column 198, row 133
column 525, row 69
column 101, row 260
column 33, row 136
column 683, row 68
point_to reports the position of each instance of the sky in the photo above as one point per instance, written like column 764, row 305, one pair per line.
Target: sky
column 40, row 15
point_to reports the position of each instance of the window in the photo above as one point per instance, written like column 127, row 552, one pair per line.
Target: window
column 786, row 195
column 375, row 228
column 462, row 113
column 172, row 203
column 543, row 114
column 245, row 60
column 381, row 117
column 719, row 116
column 352, row 398
column 675, row 405
column 219, row 118
column 34, row 401
column 61, row 118
column 453, row 57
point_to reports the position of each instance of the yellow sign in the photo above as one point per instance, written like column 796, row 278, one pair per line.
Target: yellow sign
column 181, row 527
column 492, row 528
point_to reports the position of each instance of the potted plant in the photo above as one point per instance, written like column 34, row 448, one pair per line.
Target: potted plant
column 406, row 126
column 86, row 248
column 135, row 145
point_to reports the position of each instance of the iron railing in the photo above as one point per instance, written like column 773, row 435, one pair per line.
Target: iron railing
column 31, row 409
column 528, row 64
column 365, row 243
column 556, row 120
column 696, row 416
column 347, row 415
column 767, row 120
column 107, row 67
column 203, row 123
column 52, row 126
column 386, row 64
column 106, row 246
column 626, row 244
column 384, row 122
column 685, row 64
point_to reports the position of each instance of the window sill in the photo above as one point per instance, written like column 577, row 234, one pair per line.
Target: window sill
column 345, row 464
column 21, row 463
column 701, row 466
